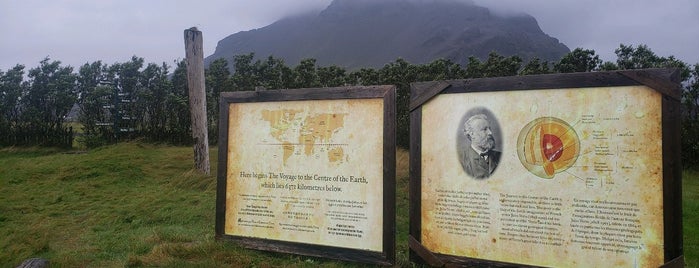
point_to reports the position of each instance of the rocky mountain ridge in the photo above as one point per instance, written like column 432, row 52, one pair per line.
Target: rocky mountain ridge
column 368, row 33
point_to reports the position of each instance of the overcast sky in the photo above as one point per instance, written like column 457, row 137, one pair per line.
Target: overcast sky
column 80, row 31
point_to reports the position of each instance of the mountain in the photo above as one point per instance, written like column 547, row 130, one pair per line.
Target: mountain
column 370, row 33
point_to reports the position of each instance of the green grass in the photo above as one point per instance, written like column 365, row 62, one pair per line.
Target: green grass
column 130, row 205
column 136, row 204
column 690, row 217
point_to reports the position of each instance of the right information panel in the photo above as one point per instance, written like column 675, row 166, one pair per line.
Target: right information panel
column 554, row 177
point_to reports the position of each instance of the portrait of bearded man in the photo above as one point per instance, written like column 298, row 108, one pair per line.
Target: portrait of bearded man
column 480, row 159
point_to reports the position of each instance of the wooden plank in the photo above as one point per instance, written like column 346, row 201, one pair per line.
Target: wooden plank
column 423, row 92
column 415, row 180
column 665, row 81
column 672, row 177
column 547, row 81
column 222, row 169
column 389, row 174
column 455, row 261
column 675, row 263
column 426, row 255
column 355, row 92
column 311, row 250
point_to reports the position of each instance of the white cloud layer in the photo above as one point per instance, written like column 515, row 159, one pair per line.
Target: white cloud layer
column 80, row 31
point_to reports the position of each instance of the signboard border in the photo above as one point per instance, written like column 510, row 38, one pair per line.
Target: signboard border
column 664, row 81
column 385, row 92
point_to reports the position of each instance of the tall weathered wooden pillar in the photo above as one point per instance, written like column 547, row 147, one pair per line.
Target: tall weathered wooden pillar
column 193, row 43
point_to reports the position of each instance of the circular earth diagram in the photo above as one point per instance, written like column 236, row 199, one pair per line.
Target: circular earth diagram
column 547, row 145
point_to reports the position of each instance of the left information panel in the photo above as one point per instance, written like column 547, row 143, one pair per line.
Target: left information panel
column 305, row 171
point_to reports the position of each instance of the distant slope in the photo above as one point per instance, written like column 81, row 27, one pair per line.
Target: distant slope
column 367, row 33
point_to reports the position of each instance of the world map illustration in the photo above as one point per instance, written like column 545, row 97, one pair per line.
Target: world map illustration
column 303, row 134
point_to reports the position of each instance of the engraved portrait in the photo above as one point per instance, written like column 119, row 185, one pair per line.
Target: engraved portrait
column 479, row 143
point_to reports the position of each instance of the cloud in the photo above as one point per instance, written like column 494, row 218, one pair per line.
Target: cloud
column 80, row 31
column 667, row 27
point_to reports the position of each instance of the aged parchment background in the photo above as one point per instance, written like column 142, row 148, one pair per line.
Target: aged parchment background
column 361, row 141
column 620, row 161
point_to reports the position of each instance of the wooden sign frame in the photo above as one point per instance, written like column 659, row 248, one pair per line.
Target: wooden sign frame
column 664, row 81
column 385, row 166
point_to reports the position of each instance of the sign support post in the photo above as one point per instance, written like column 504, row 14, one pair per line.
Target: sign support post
column 197, row 99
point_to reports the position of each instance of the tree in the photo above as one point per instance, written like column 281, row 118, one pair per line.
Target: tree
column 128, row 74
column 127, row 86
column 95, row 119
column 496, row 65
column 51, row 94
column 640, row 57
column 578, row 60
column 274, row 74
column 608, row 66
column 306, row 74
column 48, row 99
column 217, row 79
column 150, row 106
column 11, row 88
column 177, row 103
column 535, row 66
column 400, row 73
column 332, row 76
column 94, row 92
column 245, row 76
column 90, row 75
column 643, row 57
column 690, row 122
column 363, row 77
column 441, row 69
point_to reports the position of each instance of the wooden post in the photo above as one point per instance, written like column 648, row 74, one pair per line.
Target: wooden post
column 193, row 43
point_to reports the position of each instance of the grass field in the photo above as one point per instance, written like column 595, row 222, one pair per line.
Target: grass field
column 690, row 216
column 138, row 204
